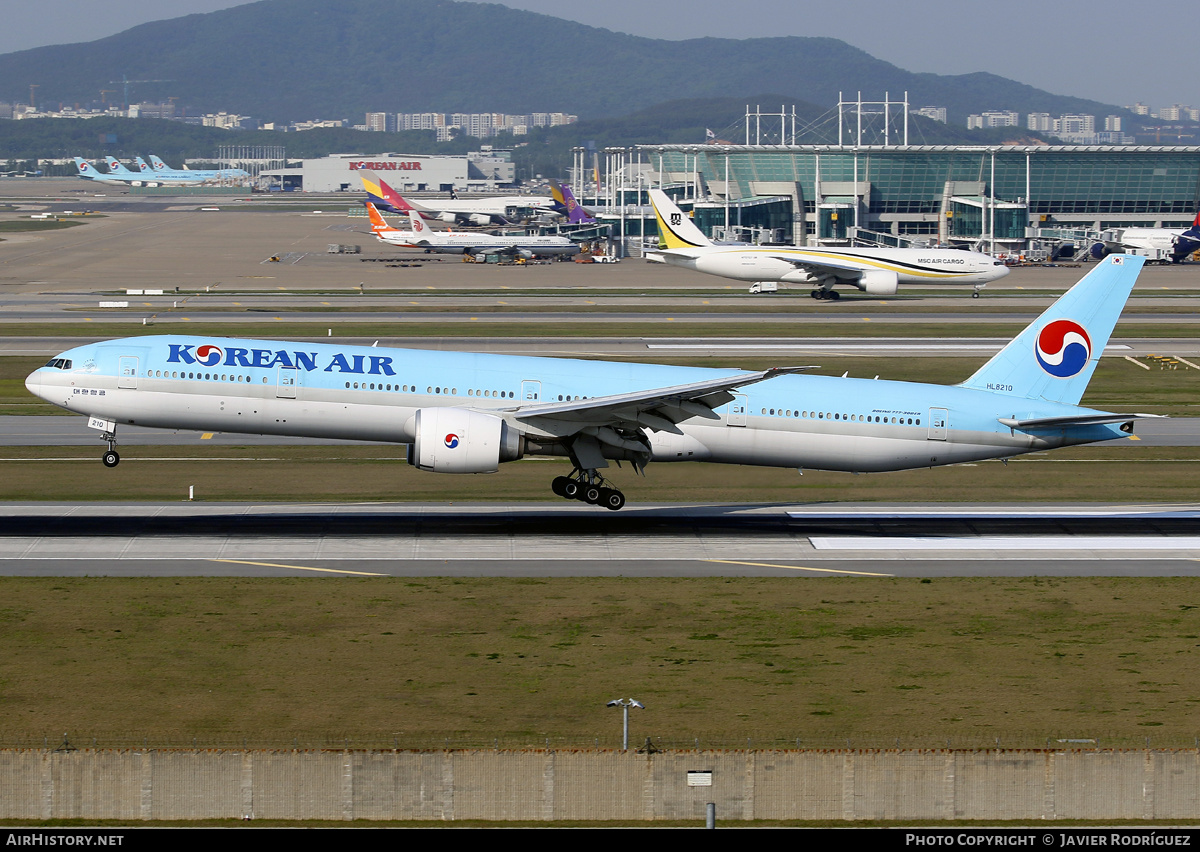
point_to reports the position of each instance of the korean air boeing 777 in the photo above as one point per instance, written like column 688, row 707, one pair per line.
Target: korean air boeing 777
column 467, row 413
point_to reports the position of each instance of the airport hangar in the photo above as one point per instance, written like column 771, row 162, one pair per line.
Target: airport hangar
column 1002, row 199
column 484, row 171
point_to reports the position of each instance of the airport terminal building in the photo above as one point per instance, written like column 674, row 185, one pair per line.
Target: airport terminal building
column 999, row 198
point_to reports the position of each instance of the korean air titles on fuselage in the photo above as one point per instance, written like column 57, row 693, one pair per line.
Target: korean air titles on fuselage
column 211, row 355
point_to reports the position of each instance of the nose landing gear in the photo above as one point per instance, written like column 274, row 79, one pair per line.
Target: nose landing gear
column 589, row 487
column 111, row 458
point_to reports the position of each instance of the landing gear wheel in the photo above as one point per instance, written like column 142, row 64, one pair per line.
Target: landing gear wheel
column 816, row 294
column 975, row 295
column 111, row 459
column 611, row 498
column 834, row 295
column 559, row 485
column 571, row 489
column 591, row 494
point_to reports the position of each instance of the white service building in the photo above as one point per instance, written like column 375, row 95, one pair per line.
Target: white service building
column 402, row 172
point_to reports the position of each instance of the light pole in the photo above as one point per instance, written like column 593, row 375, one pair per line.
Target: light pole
column 625, row 704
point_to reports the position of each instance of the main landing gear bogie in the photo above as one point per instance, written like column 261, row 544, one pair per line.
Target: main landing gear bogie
column 588, row 488
column 823, row 295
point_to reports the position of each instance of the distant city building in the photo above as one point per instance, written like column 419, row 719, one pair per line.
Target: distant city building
column 1040, row 122
column 993, row 118
column 1112, row 122
column 146, row 110
column 481, row 125
column 381, row 122
column 936, row 113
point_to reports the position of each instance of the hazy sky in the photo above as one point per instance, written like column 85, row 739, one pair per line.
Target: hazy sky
column 1115, row 51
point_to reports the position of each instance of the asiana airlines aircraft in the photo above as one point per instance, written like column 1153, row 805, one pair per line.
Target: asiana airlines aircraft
column 460, row 412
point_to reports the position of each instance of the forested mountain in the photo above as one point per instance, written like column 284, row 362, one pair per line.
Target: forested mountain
column 281, row 60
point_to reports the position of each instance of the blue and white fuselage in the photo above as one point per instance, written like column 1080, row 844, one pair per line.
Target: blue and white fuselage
column 467, row 413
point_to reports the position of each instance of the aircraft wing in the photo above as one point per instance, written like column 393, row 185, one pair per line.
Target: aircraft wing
column 823, row 265
column 658, row 409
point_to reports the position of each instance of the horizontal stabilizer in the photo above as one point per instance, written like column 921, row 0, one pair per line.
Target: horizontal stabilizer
column 1073, row 420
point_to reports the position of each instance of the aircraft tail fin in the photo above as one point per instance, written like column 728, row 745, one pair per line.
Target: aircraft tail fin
column 378, row 224
column 565, row 203
column 85, row 168
column 675, row 230
column 142, row 165
column 419, row 228
column 159, row 165
column 1055, row 356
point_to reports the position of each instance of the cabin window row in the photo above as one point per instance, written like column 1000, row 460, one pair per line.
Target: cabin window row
column 212, row 377
column 835, row 415
column 431, row 389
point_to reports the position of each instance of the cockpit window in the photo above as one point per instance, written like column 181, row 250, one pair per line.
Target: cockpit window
column 59, row 363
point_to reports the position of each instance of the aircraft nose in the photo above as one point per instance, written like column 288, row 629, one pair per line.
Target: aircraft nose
column 999, row 272
column 33, row 383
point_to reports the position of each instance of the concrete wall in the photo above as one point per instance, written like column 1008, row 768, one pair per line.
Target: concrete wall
column 599, row 785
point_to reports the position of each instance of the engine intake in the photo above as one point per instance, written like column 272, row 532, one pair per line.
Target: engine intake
column 456, row 440
column 878, row 282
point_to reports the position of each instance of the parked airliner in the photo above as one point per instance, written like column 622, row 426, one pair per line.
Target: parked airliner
column 1179, row 243
column 468, row 413
column 421, row 235
column 488, row 210
column 876, row 271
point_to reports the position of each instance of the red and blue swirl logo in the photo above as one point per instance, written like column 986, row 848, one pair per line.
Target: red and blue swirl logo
column 209, row 355
column 1063, row 348
column 451, row 440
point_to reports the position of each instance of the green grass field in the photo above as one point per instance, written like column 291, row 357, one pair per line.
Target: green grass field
column 429, row 662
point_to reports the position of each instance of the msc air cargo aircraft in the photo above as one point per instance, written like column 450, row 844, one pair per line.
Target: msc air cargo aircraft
column 876, row 271
column 467, row 413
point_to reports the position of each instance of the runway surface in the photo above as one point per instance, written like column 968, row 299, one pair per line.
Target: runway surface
column 557, row 540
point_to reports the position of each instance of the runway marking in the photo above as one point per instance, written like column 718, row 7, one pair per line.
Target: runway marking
column 799, row 568
column 1083, row 542
column 299, row 567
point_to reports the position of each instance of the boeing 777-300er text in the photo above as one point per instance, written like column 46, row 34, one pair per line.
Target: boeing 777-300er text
column 466, row 242
column 467, row 413
column 875, row 271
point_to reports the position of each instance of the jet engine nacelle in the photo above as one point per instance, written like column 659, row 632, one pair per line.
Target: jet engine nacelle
column 479, row 219
column 455, row 440
column 878, row 282
column 448, row 217
column 1100, row 251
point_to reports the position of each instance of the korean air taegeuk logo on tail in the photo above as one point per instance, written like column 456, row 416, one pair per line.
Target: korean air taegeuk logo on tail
column 1063, row 348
